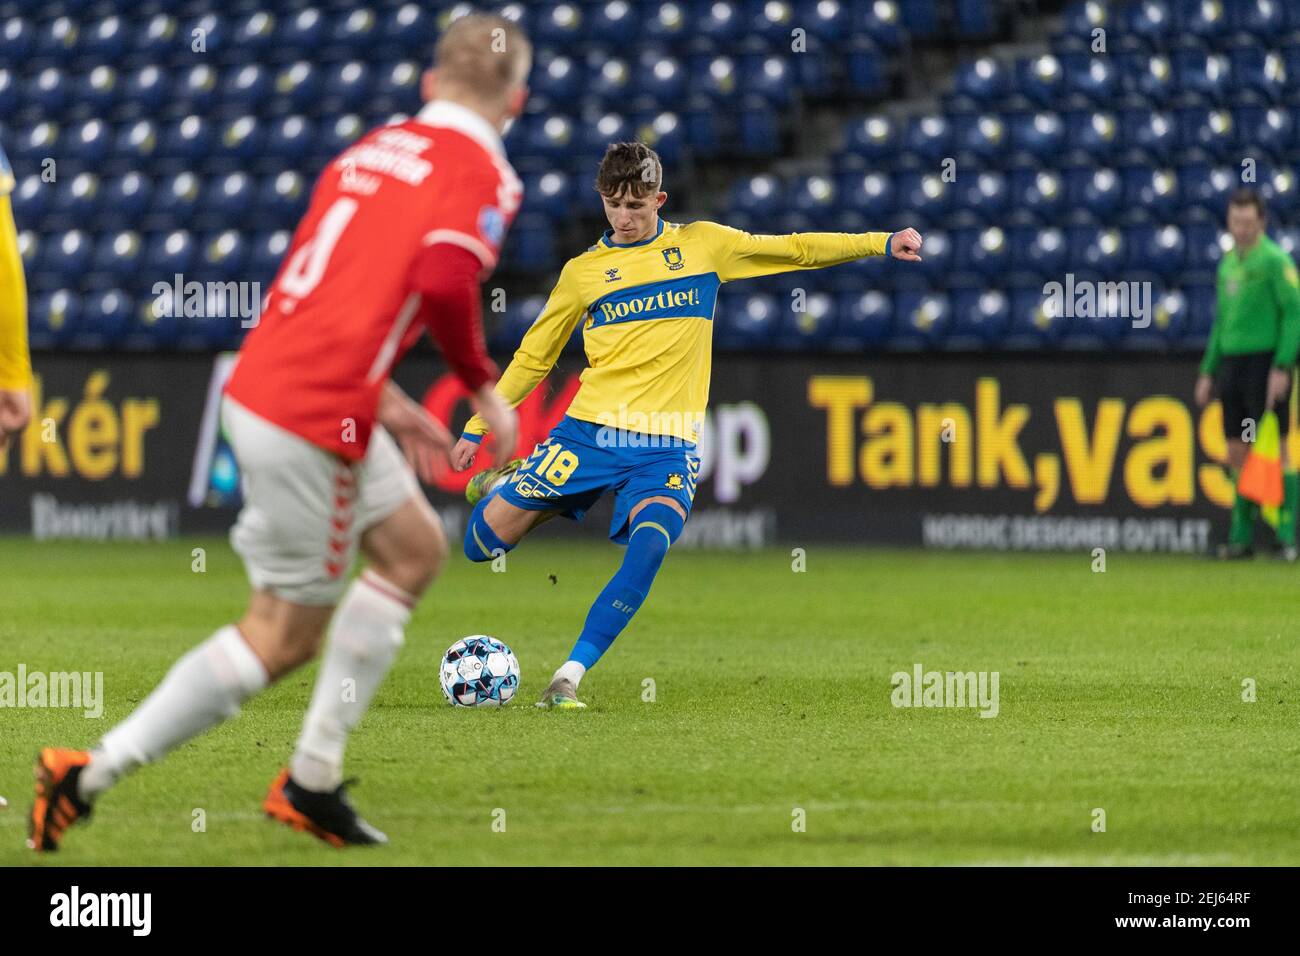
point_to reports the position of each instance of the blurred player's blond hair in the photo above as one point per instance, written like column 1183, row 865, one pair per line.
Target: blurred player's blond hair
column 482, row 56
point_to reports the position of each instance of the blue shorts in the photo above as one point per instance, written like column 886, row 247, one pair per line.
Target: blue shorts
column 580, row 461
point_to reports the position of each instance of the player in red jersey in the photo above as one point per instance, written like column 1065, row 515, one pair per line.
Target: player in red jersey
column 402, row 228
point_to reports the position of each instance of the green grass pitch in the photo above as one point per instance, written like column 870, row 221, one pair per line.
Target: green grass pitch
column 1119, row 690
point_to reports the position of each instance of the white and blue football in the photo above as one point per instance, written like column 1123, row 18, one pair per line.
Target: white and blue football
column 479, row 671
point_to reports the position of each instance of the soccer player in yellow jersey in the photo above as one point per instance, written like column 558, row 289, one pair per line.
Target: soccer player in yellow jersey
column 15, row 363
column 645, row 293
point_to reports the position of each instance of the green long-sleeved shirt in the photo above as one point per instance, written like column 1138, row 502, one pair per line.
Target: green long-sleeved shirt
column 1258, row 306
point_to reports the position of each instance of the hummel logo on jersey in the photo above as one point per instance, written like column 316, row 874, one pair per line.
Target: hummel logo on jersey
column 612, row 275
column 673, row 257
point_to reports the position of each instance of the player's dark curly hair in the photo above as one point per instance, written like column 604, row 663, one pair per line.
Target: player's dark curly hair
column 631, row 166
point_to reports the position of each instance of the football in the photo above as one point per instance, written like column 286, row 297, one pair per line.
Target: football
column 479, row 671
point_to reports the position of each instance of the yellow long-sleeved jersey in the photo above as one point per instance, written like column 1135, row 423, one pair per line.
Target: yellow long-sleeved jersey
column 15, row 362
column 648, row 308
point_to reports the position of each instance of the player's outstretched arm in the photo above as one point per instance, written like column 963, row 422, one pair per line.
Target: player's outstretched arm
column 532, row 362
column 743, row 255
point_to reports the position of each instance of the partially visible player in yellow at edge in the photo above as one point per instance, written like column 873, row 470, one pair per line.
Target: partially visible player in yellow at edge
column 15, row 362
column 645, row 293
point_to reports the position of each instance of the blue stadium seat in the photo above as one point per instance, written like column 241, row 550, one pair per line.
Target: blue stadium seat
column 984, row 80
column 1257, row 69
column 172, row 252
column 1149, row 76
column 76, row 202
column 1209, row 21
column 189, row 141
column 246, row 87
column 1152, row 132
column 921, row 317
column 765, row 76
column 1041, row 79
column 557, row 24
column 1200, row 71
column 54, row 318
column 558, row 77
column 930, row 137
column 873, row 138
column 1095, row 133
column 281, row 200
column 748, row 319
column 16, row 40
column 1033, row 323
column 1046, row 255
column 984, row 194
column 810, row 328
column 1209, row 129
column 51, row 91
column 31, row 198
column 301, row 33
column 265, row 252
column 118, row 259
column 137, row 144
column 880, row 21
column 666, row 23
column 1040, row 135
column 299, row 86
column 1090, row 76
column 548, row 193
column 346, row 86
column 8, row 93
column 97, row 92
column 147, row 90
column 1208, row 187
column 105, row 318
column 815, row 197
column 198, row 90
column 156, row 39
column 868, row 195
column 924, row 194
column 1154, row 190
column 979, row 318
column 1151, row 20
column 615, row 22
column 984, row 135
column 1161, row 249
column 90, row 143
column 862, row 319
column 660, row 77
column 1269, row 130
column 1038, row 192
column 1099, row 191
column 1096, row 249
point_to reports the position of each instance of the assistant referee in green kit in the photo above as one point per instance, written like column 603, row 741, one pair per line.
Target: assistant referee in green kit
column 1249, row 359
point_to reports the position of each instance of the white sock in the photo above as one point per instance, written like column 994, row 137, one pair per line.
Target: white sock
column 571, row 671
column 364, row 637
column 203, row 688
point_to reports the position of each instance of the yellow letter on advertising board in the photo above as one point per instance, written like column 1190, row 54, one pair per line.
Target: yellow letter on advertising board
column 1215, row 483
column 138, row 416
column 1089, row 464
column 931, row 437
column 886, row 458
column 841, row 396
column 999, row 450
column 1170, row 453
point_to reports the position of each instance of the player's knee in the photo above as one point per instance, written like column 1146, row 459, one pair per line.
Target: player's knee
column 655, row 528
column 481, row 543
